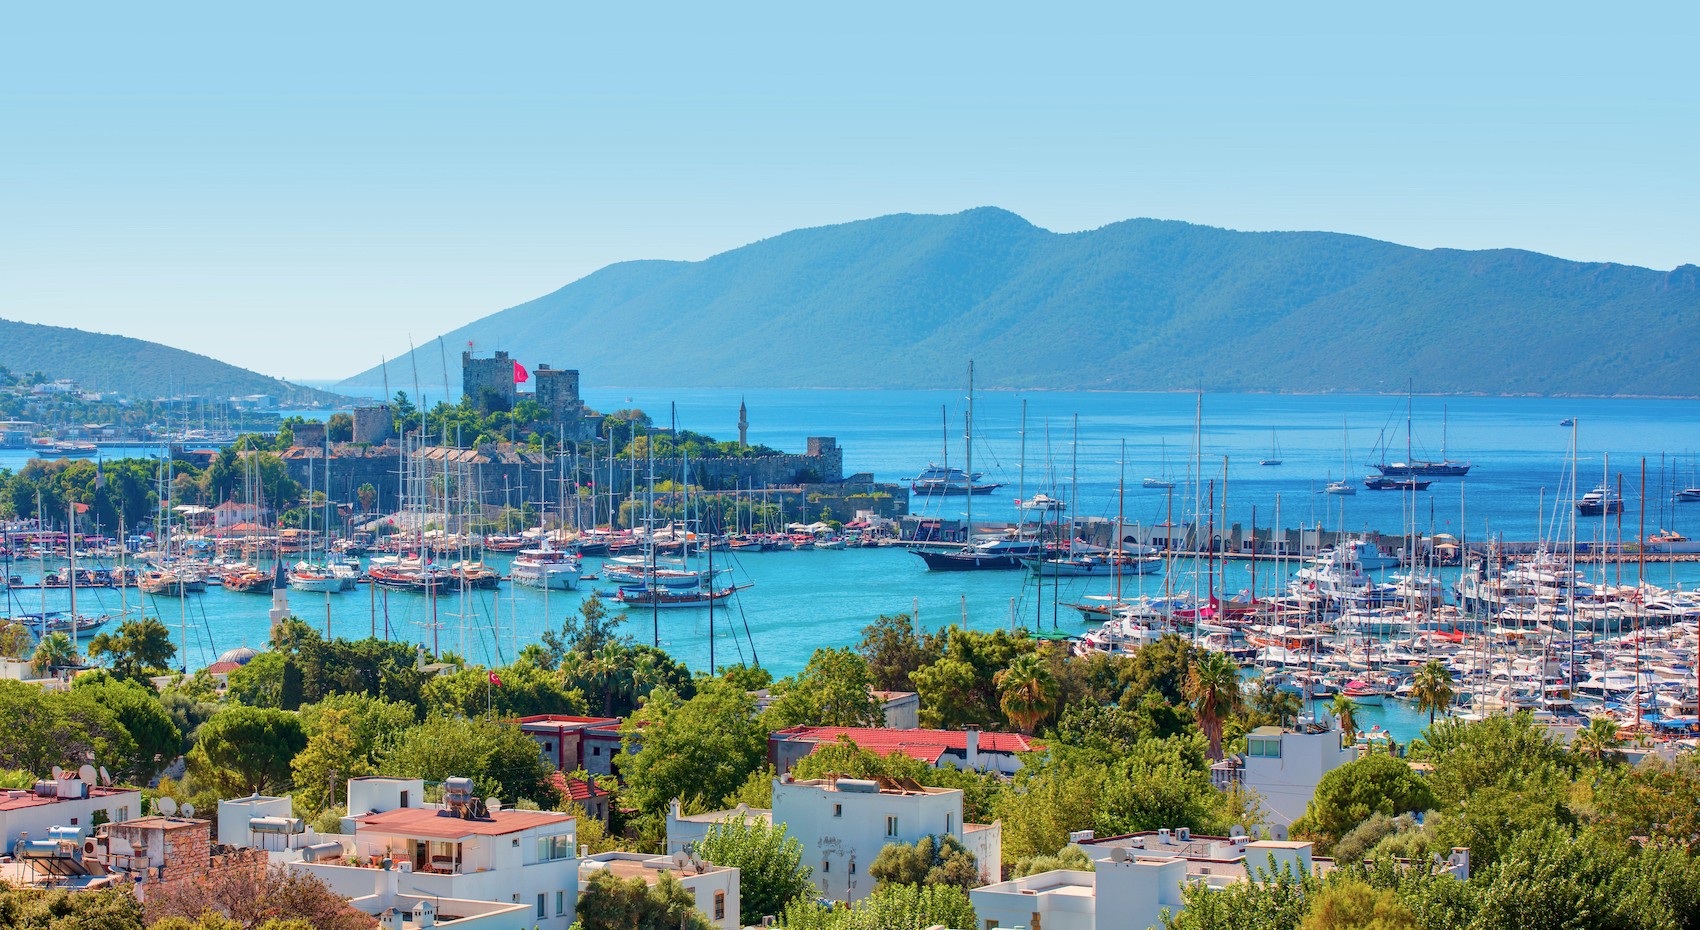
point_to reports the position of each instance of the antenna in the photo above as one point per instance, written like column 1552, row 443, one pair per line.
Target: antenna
column 493, row 804
column 105, row 779
column 188, row 809
column 58, row 773
column 86, row 773
column 1118, row 854
column 166, row 805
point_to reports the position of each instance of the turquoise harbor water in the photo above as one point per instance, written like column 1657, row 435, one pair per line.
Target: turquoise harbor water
column 800, row 601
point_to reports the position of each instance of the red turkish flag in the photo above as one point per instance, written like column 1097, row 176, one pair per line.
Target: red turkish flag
column 520, row 374
column 495, row 679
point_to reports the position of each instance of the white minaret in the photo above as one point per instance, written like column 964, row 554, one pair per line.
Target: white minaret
column 743, row 425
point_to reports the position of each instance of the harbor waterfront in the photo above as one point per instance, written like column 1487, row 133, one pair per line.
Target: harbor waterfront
column 792, row 602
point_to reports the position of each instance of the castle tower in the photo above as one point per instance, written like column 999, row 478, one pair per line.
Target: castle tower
column 743, row 425
column 488, row 382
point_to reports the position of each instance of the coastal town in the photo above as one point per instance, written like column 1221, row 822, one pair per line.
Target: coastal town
column 1186, row 740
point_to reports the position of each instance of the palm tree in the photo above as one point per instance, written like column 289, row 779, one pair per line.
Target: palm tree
column 54, row 652
column 1345, row 710
column 1027, row 691
column 1214, row 686
column 1432, row 688
column 1599, row 741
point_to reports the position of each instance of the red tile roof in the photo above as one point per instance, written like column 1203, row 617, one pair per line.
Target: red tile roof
column 926, row 745
column 223, row 668
column 577, row 788
column 433, row 824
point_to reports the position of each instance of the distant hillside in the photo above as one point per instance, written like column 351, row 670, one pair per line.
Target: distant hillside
column 101, row 362
column 906, row 300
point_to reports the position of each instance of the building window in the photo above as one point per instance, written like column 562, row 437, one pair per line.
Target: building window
column 560, row 903
column 548, row 746
column 550, row 848
column 123, row 813
column 542, row 909
column 891, row 826
column 1263, row 747
column 825, row 866
column 950, row 823
column 852, row 867
column 73, row 821
column 596, row 750
column 991, row 925
column 837, row 810
column 720, row 905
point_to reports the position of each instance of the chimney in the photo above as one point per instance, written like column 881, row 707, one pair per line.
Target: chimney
column 973, row 740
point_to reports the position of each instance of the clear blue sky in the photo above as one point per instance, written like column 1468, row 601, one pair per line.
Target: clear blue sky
column 298, row 187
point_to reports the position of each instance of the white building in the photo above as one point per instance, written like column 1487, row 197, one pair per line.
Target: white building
column 715, row 888
column 1139, row 876
column 459, row 850
column 843, row 824
column 66, row 800
column 686, row 831
column 1284, row 766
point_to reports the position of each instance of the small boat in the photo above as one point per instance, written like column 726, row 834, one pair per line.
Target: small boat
column 1599, row 502
column 1274, row 451
column 1042, row 502
column 247, row 579
column 56, row 622
column 1384, row 483
column 307, row 576
column 1365, row 693
column 672, row 598
column 1688, row 495
column 473, row 575
column 545, row 568
column 1158, row 483
column 997, row 555
column 947, row 481
column 1342, row 488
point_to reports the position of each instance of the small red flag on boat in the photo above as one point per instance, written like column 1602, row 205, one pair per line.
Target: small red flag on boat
column 520, row 374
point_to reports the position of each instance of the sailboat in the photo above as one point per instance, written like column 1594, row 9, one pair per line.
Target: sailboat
column 1165, row 481
column 1343, row 487
column 945, row 481
column 1002, row 554
column 1419, row 468
column 1274, row 451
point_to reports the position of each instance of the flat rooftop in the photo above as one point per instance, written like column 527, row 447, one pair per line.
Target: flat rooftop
column 441, row 825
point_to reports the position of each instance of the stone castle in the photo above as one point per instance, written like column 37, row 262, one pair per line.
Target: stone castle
column 490, row 385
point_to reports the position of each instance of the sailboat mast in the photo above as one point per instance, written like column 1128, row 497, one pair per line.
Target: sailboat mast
column 968, row 451
column 1121, row 514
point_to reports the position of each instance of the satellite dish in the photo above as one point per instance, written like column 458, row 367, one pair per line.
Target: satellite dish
column 1236, row 831
column 492, row 804
column 188, row 809
column 105, row 779
column 58, row 773
column 86, row 773
column 166, row 806
column 1118, row 854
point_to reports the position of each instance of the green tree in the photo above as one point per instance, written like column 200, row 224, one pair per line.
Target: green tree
column 340, row 428
column 896, row 907
column 333, row 755
column 1348, row 795
column 957, row 688
column 700, row 750
column 55, row 651
column 833, row 690
column 1071, row 857
column 1165, row 667
column 524, row 690
column 1027, row 692
column 1345, row 710
column 1599, row 742
column 1214, row 688
column 585, row 632
column 367, row 495
column 138, row 650
column 155, row 735
column 893, row 651
column 243, row 750
column 1431, row 688
column 931, row 860
column 1354, row 905
column 67, row 728
column 609, row 903
column 769, row 864
column 500, row 759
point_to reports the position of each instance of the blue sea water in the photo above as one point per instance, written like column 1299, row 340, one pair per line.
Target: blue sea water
column 800, row 601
